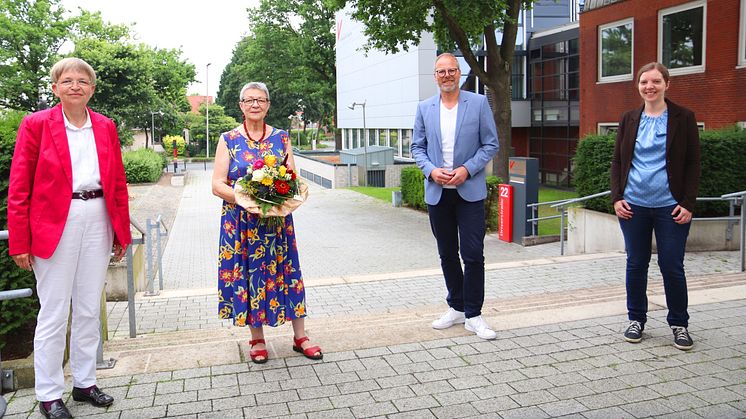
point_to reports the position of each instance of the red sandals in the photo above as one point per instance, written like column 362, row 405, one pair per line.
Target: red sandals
column 312, row 352
column 258, row 353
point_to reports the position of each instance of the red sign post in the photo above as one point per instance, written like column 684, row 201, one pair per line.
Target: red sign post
column 505, row 205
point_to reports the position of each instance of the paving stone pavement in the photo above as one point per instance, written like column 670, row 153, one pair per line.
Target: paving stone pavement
column 580, row 369
column 556, row 368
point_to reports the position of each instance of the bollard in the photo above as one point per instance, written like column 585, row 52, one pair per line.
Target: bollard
column 396, row 198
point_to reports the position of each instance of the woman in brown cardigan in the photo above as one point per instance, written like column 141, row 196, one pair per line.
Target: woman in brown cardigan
column 654, row 181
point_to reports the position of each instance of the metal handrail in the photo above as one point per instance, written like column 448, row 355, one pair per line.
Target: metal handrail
column 9, row 295
column 147, row 240
column 562, row 208
column 13, row 294
column 736, row 198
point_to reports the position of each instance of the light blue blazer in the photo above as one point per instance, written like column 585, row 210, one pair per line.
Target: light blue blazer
column 476, row 144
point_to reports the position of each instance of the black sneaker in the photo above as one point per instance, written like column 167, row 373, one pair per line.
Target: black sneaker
column 681, row 338
column 634, row 332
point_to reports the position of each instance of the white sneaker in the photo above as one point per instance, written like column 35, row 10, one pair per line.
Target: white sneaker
column 480, row 327
column 448, row 319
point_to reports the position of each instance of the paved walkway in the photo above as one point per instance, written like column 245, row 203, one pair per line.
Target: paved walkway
column 373, row 287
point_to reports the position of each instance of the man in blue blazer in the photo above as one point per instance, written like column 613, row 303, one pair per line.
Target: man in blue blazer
column 454, row 138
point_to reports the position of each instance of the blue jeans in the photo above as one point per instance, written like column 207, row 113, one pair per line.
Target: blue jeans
column 459, row 225
column 671, row 243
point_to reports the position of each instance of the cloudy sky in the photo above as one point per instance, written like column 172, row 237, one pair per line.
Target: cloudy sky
column 206, row 31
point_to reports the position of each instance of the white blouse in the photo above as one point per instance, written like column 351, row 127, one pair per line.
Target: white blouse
column 83, row 156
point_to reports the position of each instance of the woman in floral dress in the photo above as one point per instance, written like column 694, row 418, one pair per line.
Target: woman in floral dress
column 259, row 278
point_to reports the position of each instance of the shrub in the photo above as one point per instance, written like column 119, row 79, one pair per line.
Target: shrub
column 142, row 166
column 593, row 170
column 413, row 194
column 413, row 188
column 14, row 314
column 723, row 163
column 168, row 145
column 491, row 204
column 722, row 160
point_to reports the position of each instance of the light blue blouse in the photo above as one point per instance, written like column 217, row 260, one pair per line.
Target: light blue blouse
column 647, row 181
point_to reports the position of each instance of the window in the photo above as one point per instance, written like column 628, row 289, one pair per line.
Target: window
column 394, row 141
column 615, row 51
column 406, row 140
column 681, row 38
column 382, row 140
column 742, row 36
column 605, row 128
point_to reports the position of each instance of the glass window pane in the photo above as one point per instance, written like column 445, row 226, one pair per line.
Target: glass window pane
column 682, row 38
column 406, row 141
column 382, row 137
column 616, row 50
column 394, row 140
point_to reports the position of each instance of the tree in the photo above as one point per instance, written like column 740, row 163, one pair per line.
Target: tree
column 219, row 123
column 396, row 24
column 291, row 49
column 134, row 80
column 31, row 34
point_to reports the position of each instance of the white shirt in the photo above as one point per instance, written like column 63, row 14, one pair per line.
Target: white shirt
column 448, row 136
column 83, row 156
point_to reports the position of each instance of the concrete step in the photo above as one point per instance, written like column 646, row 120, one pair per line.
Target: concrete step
column 202, row 348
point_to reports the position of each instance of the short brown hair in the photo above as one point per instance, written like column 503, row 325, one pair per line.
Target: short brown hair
column 653, row 66
column 72, row 64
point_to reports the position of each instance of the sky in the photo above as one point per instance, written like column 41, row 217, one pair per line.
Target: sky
column 206, row 31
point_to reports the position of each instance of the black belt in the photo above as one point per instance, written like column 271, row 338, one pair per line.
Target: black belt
column 86, row 195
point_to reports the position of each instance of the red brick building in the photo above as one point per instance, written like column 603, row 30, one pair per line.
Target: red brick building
column 195, row 101
column 703, row 43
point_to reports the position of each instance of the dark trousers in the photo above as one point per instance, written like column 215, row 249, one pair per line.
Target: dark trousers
column 459, row 224
column 670, row 239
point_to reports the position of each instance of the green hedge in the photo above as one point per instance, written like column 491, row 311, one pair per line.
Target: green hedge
column 14, row 313
column 723, row 161
column 143, row 166
column 491, row 204
column 413, row 188
column 413, row 194
column 593, row 170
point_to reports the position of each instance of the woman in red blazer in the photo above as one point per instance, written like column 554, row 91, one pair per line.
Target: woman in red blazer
column 67, row 207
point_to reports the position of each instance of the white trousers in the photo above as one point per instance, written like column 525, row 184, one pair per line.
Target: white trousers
column 76, row 271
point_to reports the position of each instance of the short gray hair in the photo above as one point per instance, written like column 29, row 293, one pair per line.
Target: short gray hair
column 254, row 85
column 447, row 55
column 72, row 64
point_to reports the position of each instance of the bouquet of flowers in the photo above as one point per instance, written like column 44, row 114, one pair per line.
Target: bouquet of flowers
column 270, row 189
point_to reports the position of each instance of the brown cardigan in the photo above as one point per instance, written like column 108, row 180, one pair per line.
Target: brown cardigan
column 682, row 154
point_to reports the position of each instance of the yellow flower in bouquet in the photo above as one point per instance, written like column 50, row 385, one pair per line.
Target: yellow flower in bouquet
column 271, row 188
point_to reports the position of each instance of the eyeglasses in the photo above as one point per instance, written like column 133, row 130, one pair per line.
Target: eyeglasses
column 67, row 83
column 443, row 71
column 259, row 101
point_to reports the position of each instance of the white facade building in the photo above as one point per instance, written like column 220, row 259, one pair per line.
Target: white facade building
column 390, row 85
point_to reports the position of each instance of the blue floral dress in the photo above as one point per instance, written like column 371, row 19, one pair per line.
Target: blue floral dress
column 259, row 277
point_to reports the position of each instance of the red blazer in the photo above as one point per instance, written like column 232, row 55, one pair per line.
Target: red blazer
column 40, row 190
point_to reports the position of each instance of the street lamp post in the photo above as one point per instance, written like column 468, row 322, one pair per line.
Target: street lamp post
column 352, row 106
column 207, row 110
column 152, row 128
